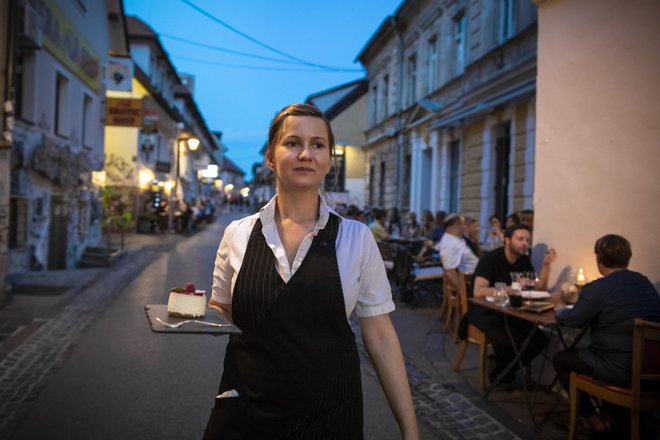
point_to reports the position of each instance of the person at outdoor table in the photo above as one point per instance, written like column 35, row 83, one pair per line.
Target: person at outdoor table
column 428, row 223
column 436, row 235
column 472, row 235
column 413, row 229
column 289, row 276
column 495, row 235
column 495, row 267
column 609, row 307
column 511, row 219
column 455, row 254
column 394, row 222
column 377, row 226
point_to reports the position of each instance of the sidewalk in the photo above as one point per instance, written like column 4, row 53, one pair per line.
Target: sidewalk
column 38, row 295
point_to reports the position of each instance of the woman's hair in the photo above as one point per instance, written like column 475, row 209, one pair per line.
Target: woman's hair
column 275, row 130
column 613, row 251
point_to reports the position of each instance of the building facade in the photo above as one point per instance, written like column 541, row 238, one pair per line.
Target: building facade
column 150, row 161
column 346, row 108
column 58, row 90
column 451, row 122
column 7, row 36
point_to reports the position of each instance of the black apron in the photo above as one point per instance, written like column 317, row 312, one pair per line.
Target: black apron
column 295, row 367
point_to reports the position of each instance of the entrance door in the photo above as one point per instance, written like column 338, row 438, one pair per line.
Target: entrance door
column 59, row 221
column 502, row 151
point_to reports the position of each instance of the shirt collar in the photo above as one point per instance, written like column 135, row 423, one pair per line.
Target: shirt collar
column 267, row 213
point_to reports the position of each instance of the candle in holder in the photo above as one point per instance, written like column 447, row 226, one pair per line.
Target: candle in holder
column 580, row 278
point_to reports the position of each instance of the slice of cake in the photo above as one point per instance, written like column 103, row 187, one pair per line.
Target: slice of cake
column 187, row 302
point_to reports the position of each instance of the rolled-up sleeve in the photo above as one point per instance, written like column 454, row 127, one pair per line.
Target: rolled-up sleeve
column 223, row 271
column 374, row 292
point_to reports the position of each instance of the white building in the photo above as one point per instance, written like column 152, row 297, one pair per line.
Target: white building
column 61, row 54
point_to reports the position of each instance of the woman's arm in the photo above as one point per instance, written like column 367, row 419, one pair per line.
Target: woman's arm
column 383, row 347
column 222, row 308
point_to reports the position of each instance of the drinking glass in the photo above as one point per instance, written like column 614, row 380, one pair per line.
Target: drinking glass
column 529, row 280
column 515, row 281
column 500, row 296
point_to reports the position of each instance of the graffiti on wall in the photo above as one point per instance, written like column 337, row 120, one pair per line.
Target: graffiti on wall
column 119, row 171
column 39, row 224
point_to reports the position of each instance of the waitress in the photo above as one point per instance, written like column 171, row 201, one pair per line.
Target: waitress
column 289, row 277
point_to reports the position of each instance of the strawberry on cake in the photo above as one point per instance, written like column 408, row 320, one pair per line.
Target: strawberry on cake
column 187, row 302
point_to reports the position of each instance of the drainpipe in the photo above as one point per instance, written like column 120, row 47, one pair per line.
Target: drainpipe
column 6, row 141
column 8, row 104
column 399, row 118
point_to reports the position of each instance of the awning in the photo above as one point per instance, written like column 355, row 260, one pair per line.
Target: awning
column 485, row 106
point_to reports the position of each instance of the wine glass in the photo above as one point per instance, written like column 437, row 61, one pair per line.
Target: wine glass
column 529, row 280
column 515, row 281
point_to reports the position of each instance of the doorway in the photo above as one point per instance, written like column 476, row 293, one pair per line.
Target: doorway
column 502, row 154
column 57, row 243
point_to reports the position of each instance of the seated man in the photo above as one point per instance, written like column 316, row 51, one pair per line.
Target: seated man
column 609, row 306
column 377, row 227
column 494, row 267
column 454, row 251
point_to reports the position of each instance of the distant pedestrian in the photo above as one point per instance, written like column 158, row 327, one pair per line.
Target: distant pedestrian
column 290, row 276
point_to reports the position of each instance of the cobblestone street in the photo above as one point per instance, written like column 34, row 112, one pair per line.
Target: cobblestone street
column 447, row 406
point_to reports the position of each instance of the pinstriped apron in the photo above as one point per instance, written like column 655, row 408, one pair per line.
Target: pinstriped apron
column 295, row 367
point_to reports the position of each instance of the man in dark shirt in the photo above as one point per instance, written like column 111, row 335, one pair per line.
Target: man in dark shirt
column 609, row 306
column 495, row 267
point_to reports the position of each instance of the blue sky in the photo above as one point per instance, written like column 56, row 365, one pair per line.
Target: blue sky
column 241, row 101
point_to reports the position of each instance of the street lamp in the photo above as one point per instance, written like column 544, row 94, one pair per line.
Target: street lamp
column 183, row 140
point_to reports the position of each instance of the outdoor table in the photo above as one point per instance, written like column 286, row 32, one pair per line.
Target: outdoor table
column 546, row 319
column 412, row 244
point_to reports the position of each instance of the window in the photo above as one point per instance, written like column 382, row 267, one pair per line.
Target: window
column 381, row 188
column 18, row 90
column 459, row 42
column 373, row 105
column 25, row 74
column 505, row 28
column 372, row 172
column 412, row 80
column 18, row 223
column 454, row 174
column 61, row 105
column 407, row 178
column 432, row 63
column 334, row 180
column 385, row 100
column 87, row 134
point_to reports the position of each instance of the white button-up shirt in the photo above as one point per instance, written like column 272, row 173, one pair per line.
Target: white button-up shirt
column 362, row 272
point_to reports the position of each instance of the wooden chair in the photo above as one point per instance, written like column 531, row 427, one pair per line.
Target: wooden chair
column 388, row 253
column 474, row 335
column 645, row 367
column 450, row 309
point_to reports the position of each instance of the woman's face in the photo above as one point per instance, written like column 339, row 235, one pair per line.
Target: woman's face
column 301, row 156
